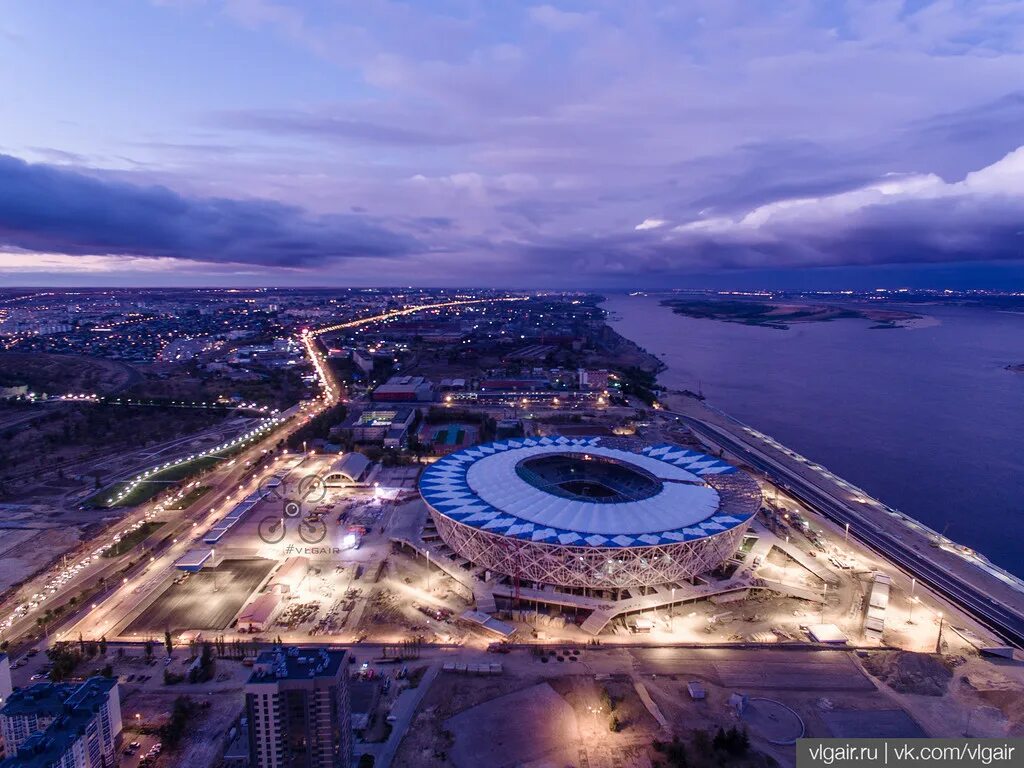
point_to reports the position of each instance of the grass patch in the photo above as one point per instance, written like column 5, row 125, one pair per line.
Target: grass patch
column 190, row 498
column 127, row 543
column 153, row 484
column 159, row 481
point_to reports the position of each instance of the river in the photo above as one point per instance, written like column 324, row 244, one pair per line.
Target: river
column 927, row 419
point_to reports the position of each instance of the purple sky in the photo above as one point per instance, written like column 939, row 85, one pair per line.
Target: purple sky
column 605, row 144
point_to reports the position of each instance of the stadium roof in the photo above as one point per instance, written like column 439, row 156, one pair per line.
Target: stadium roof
column 481, row 487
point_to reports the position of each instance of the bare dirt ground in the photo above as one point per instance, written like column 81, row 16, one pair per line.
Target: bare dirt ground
column 926, row 674
column 30, row 538
column 428, row 741
column 147, row 705
column 63, row 374
column 984, row 698
column 526, row 720
column 830, row 692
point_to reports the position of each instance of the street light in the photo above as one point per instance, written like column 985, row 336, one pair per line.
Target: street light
column 847, row 537
column 938, row 640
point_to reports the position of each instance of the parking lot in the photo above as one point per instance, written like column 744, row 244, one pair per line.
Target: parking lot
column 208, row 599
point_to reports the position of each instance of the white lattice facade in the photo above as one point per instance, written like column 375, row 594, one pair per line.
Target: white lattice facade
column 590, row 567
column 690, row 523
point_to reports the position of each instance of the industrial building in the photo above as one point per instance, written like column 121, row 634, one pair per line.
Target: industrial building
column 590, row 512
column 373, row 426
column 351, row 469
column 259, row 614
column 405, row 389
column 299, row 714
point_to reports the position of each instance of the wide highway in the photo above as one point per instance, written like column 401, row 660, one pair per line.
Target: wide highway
column 1004, row 621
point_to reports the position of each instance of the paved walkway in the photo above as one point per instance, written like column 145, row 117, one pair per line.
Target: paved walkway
column 404, row 710
column 652, row 707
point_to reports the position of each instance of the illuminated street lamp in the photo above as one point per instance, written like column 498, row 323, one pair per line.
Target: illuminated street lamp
column 847, row 536
column 938, row 640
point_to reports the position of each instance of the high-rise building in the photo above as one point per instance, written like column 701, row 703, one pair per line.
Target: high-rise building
column 31, row 710
column 53, row 725
column 5, row 678
column 298, row 709
column 5, row 690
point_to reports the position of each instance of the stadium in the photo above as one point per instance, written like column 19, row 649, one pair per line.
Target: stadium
column 593, row 512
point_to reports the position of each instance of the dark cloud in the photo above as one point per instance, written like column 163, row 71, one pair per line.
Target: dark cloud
column 49, row 209
column 760, row 172
column 952, row 143
column 917, row 220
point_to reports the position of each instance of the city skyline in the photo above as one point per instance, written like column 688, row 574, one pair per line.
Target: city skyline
column 257, row 142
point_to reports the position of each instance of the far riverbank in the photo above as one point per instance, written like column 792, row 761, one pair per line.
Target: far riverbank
column 928, row 418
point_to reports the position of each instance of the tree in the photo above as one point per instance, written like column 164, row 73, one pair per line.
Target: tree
column 674, row 752
column 733, row 741
column 204, row 671
column 64, row 661
column 608, row 700
column 181, row 713
column 168, row 641
column 103, row 645
column 149, row 650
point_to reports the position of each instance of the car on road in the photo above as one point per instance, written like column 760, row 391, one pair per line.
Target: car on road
column 37, row 677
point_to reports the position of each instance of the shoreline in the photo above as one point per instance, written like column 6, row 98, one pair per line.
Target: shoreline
column 967, row 563
column 648, row 361
column 971, row 567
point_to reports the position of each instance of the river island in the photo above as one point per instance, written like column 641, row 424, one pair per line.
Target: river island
column 781, row 316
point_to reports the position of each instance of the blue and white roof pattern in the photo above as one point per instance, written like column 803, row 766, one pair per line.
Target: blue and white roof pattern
column 479, row 487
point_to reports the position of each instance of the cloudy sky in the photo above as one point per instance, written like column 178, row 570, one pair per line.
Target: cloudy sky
column 482, row 142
